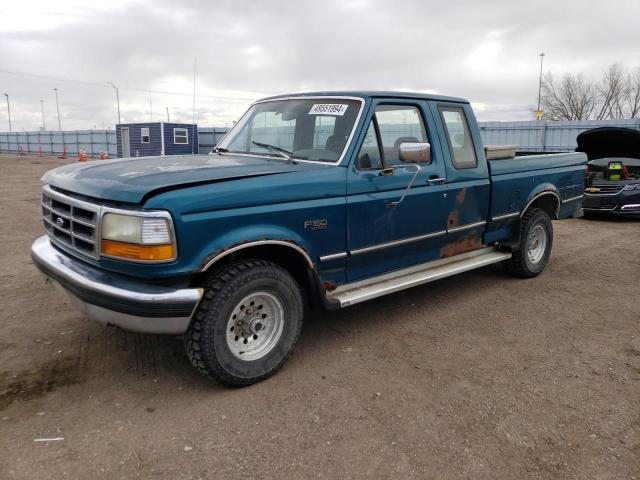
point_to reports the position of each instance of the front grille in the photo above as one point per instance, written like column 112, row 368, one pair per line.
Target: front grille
column 609, row 189
column 71, row 223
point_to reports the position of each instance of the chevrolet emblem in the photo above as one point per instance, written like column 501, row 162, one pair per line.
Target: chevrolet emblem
column 592, row 190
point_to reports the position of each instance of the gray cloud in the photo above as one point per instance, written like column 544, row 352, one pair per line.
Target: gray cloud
column 484, row 51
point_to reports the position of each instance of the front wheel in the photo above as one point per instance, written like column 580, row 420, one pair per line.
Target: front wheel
column 247, row 323
column 536, row 236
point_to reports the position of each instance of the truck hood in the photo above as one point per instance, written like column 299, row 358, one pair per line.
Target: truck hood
column 131, row 180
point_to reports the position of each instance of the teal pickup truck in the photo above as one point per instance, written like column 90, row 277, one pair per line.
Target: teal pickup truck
column 326, row 199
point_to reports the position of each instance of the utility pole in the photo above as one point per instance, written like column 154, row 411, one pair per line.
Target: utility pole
column 117, row 99
column 538, row 111
column 150, row 110
column 167, row 114
column 44, row 128
column 8, row 110
column 193, row 111
column 58, row 108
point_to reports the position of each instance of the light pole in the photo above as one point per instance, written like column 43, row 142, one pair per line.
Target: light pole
column 538, row 111
column 44, row 128
column 8, row 110
column 58, row 108
column 117, row 99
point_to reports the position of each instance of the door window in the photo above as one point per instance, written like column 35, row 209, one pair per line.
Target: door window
column 463, row 154
column 398, row 124
column 369, row 155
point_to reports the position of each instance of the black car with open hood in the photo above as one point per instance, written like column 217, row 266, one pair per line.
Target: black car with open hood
column 613, row 180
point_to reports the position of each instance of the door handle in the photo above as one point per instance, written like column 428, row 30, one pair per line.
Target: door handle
column 433, row 180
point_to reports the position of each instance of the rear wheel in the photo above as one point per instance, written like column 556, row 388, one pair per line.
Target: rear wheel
column 247, row 323
column 536, row 236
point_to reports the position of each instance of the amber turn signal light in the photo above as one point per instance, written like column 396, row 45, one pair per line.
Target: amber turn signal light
column 137, row 252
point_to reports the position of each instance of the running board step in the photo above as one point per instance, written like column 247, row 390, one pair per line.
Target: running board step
column 363, row 290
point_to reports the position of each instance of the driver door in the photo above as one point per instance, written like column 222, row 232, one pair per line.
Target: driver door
column 382, row 237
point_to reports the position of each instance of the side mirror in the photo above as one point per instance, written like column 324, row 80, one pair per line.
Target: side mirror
column 415, row 152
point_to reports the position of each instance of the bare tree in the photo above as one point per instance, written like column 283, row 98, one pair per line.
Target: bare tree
column 571, row 98
column 612, row 93
column 632, row 97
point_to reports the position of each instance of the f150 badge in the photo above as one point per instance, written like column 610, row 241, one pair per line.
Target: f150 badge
column 318, row 224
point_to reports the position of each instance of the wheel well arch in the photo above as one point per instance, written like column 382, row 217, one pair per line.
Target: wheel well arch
column 549, row 201
column 287, row 255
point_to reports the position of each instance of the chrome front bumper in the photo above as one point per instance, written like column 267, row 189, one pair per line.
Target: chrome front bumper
column 117, row 299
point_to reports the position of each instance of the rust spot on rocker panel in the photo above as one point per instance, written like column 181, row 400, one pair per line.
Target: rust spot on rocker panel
column 462, row 245
column 452, row 219
column 329, row 285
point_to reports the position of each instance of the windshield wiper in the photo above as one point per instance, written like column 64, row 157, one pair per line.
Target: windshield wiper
column 280, row 151
column 219, row 150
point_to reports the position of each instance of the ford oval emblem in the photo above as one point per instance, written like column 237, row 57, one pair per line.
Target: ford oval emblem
column 60, row 222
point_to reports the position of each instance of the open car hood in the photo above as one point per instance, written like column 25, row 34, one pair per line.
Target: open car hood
column 609, row 142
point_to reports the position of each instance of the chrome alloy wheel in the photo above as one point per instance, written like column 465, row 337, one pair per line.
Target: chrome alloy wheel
column 255, row 326
column 536, row 244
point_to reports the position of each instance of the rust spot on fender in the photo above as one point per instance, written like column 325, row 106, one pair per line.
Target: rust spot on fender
column 461, row 195
column 452, row 219
column 462, row 245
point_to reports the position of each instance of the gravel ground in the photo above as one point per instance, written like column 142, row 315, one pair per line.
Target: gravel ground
column 477, row 376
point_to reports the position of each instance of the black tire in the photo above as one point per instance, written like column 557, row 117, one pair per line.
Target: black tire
column 206, row 339
column 520, row 265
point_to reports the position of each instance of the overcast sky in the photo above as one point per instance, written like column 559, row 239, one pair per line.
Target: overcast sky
column 486, row 51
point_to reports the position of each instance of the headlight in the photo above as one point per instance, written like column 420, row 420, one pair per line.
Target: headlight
column 144, row 238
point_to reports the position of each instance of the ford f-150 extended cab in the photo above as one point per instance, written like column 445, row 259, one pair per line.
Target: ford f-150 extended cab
column 325, row 198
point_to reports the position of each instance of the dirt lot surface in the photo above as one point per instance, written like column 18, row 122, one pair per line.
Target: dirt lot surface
column 477, row 376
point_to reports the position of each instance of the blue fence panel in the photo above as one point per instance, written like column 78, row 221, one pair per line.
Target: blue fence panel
column 54, row 143
column 544, row 136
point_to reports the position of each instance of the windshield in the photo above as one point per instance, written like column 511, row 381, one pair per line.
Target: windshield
column 304, row 129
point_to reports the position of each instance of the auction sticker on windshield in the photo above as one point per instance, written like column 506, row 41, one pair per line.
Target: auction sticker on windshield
column 328, row 109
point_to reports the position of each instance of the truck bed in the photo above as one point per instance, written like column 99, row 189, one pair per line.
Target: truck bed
column 513, row 185
column 528, row 163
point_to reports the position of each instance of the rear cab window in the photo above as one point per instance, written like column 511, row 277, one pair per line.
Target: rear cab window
column 461, row 148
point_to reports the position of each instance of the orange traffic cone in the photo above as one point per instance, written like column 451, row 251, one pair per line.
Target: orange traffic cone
column 104, row 155
column 83, row 156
